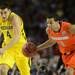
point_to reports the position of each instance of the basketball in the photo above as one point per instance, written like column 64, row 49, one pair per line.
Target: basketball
column 29, row 49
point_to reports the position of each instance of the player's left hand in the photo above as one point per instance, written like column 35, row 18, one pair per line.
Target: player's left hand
column 29, row 49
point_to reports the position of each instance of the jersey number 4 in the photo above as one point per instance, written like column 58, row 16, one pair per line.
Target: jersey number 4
column 8, row 34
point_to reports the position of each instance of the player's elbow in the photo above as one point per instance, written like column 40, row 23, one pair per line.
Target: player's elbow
column 17, row 37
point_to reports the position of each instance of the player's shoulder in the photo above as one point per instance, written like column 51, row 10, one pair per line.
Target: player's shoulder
column 65, row 23
column 15, row 16
column 12, row 15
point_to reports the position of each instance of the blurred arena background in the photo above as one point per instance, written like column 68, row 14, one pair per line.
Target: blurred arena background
column 34, row 14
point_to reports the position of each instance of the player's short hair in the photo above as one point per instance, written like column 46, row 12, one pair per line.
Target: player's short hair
column 4, row 5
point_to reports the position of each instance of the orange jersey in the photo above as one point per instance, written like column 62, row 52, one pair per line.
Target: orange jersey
column 64, row 38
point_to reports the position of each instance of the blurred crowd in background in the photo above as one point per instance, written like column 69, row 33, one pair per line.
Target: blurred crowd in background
column 34, row 14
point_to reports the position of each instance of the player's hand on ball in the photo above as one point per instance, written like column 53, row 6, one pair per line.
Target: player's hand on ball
column 29, row 49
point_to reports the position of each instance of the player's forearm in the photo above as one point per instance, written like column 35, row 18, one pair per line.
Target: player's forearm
column 45, row 45
column 12, row 42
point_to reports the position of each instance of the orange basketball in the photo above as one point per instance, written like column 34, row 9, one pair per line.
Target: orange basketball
column 29, row 49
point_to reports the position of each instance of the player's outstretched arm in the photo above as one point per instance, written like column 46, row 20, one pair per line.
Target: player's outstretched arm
column 48, row 43
column 30, row 49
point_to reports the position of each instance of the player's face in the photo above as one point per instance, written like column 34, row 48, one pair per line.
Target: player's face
column 55, row 27
column 5, row 13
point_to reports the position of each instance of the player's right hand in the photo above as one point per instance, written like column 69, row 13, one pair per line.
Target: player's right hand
column 29, row 49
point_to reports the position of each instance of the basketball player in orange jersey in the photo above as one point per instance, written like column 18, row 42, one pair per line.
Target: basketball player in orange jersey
column 62, row 33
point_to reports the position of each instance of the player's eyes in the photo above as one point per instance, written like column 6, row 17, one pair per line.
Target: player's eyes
column 5, row 12
column 1, row 13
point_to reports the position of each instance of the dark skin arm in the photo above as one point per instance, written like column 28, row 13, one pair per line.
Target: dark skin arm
column 46, row 44
column 49, row 42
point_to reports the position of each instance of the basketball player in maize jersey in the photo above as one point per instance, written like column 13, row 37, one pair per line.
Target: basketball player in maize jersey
column 12, row 32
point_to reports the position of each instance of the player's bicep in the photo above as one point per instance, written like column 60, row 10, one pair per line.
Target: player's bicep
column 16, row 25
